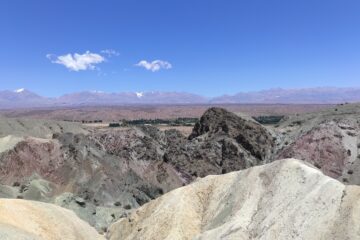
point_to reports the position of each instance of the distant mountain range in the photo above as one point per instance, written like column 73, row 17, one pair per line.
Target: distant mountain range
column 23, row 98
column 102, row 98
column 305, row 95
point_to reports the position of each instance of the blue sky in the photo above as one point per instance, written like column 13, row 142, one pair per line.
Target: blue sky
column 209, row 47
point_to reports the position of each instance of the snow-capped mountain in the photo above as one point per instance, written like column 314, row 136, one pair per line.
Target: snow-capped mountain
column 22, row 98
column 139, row 94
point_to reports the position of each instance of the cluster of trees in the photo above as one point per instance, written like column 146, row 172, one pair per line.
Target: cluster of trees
column 272, row 119
column 114, row 125
column 268, row 119
column 90, row 121
column 170, row 122
column 84, row 121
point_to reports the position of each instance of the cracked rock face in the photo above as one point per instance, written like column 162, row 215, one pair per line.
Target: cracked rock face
column 286, row 199
column 253, row 137
column 222, row 142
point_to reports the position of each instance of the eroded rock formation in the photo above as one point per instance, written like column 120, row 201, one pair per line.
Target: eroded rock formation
column 286, row 199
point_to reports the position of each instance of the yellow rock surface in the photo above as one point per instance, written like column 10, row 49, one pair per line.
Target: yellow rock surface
column 25, row 220
column 283, row 200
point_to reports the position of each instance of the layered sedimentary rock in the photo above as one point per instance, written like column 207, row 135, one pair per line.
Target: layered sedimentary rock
column 286, row 199
column 82, row 173
column 329, row 140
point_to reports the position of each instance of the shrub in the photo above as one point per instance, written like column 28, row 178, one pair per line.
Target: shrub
column 114, row 124
column 127, row 206
column 349, row 152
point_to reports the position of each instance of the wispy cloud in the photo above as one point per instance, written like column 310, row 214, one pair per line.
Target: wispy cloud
column 154, row 66
column 110, row 52
column 77, row 62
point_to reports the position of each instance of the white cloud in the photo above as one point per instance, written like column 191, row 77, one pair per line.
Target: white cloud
column 110, row 52
column 154, row 66
column 77, row 62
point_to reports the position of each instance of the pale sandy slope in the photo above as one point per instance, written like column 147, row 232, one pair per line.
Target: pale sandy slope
column 286, row 199
column 28, row 220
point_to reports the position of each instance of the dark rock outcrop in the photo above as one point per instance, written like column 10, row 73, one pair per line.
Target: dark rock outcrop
column 221, row 142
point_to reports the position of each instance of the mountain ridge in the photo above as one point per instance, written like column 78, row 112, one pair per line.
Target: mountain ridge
column 21, row 98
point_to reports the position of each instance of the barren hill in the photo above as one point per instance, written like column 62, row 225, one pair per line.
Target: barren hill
column 329, row 139
column 285, row 199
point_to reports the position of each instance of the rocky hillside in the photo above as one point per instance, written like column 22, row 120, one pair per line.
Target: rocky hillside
column 103, row 174
column 285, row 199
column 328, row 139
column 221, row 142
column 96, row 175
column 28, row 220
column 37, row 128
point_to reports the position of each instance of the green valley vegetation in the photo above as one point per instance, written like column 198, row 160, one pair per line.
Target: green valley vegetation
column 274, row 119
column 170, row 122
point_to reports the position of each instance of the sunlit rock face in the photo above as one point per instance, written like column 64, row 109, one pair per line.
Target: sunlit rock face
column 286, row 199
column 29, row 220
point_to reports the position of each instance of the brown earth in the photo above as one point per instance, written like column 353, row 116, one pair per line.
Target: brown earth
column 116, row 113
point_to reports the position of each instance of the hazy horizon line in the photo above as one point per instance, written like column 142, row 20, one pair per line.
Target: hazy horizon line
column 187, row 92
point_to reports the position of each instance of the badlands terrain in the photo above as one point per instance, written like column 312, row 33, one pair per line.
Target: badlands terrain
column 286, row 199
column 224, row 180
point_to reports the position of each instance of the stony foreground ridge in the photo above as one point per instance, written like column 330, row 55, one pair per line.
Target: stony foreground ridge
column 28, row 220
column 286, row 199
